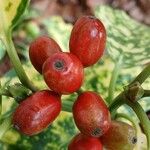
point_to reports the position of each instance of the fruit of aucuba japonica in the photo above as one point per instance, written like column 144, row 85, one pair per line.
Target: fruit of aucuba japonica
column 88, row 39
column 120, row 136
column 82, row 142
column 37, row 112
column 40, row 49
column 91, row 114
column 63, row 73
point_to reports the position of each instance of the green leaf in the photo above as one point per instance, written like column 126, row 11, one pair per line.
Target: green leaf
column 2, row 51
column 125, row 36
column 11, row 12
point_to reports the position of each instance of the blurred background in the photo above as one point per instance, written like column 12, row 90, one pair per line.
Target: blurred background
column 128, row 42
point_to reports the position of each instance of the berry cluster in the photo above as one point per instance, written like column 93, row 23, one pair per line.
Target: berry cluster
column 63, row 73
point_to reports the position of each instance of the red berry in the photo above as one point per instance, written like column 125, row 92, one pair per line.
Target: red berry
column 40, row 49
column 91, row 114
column 88, row 39
column 37, row 112
column 82, row 142
column 120, row 136
column 63, row 73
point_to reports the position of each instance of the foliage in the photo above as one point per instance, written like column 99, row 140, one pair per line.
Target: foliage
column 11, row 12
column 125, row 37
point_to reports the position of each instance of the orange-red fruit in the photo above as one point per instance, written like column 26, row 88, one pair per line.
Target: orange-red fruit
column 82, row 142
column 63, row 73
column 40, row 49
column 120, row 136
column 88, row 40
column 37, row 112
column 91, row 114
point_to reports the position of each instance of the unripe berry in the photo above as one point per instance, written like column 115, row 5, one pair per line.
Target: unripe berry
column 37, row 112
column 120, row 136
column 88, row 39
column 91, row 114
column 63, row 73
column 40, row 49
column 82, row 142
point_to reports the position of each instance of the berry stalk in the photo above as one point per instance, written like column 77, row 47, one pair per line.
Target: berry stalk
column 0, row 102
column 117, row 102
column 6, row 124
column 16, row 61
column 121, row 98
column 5, row 92
column 115, row 73
column 146, row 93
column 143, row 75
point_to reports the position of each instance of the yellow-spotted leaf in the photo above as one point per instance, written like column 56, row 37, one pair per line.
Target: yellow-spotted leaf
column 125, row 37
column 10, row 13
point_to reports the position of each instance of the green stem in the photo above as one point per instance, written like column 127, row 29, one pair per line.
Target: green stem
column 117, row 102
column 120, row 100
column 143, row 75
column 5, row 126
column 143, row 119
column 66, row 104
column 146, row 93
column 8, row 113
column 113, row 79
column 16, row 61
column 0, row 102
column 5, row 92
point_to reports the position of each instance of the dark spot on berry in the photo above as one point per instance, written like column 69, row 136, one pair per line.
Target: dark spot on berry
column 59, row 65
column 134, row 140
column 97, row 132
column 17, row 127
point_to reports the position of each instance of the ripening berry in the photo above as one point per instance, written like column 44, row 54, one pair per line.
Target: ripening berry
column 120, row 136
column 37, row 112
column 63, row 73
column 40, row 49
column 91, row 114
column 88, row 40
column 82, row 142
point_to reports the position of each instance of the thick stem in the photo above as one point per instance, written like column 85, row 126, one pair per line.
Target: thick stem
column 145, row 123
column 117, row 102
column 120, row 100
column 5, row 126
column 143, row 75
column 146, row 93
column 16, row 62
column 113, row 79
column 0, row 102
column 5, row 92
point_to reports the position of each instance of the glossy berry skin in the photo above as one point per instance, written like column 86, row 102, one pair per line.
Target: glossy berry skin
column 37, row 112
column 88, row 39
column 40, row 49
column 82, row 142
column 63, row 73
column 120, row 136
column 91, row 114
